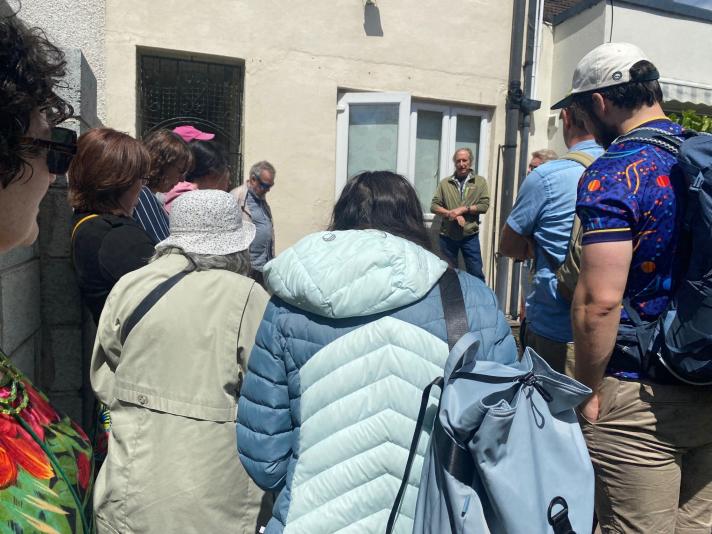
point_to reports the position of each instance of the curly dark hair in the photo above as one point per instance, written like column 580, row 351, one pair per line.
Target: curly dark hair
column 30, row 70
column 166, row 149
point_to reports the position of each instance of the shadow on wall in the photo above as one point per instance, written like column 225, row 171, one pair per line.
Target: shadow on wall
column 372, row 20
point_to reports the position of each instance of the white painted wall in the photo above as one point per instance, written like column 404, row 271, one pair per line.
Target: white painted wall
column 672, row 43
column 678, row 47
column 541, row 123
column 298, row 55
column 572, row 39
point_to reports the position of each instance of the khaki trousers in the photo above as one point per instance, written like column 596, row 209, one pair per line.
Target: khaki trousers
column 651, row 449
column 558, row 354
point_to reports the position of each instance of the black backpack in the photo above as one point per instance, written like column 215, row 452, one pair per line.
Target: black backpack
column 677, row 347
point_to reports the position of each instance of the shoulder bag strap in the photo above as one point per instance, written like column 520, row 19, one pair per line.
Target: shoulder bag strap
column 80, row 222
column 453, row 307
column 457, row 327
column 411, row 454
column 149, row 301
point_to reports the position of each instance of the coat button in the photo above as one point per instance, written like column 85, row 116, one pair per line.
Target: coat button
column 142, row 399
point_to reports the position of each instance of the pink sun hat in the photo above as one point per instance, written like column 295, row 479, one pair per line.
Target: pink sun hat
column 191, row 133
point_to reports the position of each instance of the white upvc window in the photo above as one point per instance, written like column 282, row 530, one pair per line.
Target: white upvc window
column 436, row 131
column 384, row 131
column 372, row 134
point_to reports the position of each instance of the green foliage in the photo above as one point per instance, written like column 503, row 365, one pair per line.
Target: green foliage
column 692, row 120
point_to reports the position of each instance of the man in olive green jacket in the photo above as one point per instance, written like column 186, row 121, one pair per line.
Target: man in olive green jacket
column 459, row 200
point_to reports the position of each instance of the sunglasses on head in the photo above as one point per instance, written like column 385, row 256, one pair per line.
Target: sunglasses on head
column 61, row 148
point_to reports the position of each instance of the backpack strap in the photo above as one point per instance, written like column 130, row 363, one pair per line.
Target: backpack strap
column 656, row 137
column 580, row 157
column 411, row 453
column 559, row 521
column 149, row 301
column 453, row 307
column 459, row 340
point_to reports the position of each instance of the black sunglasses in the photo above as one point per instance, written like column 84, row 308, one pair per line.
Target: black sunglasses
column 263, row 185
column 60, row 149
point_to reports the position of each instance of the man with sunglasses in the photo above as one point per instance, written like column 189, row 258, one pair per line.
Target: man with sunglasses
column 252, row 198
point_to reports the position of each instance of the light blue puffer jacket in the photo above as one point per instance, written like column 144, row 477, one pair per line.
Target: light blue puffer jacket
column 353, row 333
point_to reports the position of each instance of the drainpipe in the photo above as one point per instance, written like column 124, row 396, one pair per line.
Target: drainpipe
column 509, row 165
column 527, row 107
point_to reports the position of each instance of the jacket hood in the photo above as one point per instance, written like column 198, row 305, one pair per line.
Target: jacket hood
column 352, row 273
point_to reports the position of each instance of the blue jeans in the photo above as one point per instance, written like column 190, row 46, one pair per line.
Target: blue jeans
column 470, row 247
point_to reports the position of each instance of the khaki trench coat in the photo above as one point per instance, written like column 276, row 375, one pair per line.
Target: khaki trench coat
column 172, row 388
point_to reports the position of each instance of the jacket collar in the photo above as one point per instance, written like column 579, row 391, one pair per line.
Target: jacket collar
column 470, row 176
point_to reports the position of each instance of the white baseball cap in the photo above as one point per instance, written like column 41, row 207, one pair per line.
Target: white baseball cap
column 606, row 65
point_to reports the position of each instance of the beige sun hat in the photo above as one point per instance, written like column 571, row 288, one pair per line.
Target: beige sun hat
column 208, row 221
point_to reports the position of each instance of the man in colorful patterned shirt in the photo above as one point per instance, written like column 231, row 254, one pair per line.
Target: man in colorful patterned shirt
column 650, row 442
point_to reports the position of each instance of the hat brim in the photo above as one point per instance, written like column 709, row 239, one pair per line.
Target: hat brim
column 219, row 244
column 564, row 102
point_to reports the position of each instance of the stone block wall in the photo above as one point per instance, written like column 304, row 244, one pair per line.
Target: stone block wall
column 65, row 353
column 43, row 326
column 20, row 316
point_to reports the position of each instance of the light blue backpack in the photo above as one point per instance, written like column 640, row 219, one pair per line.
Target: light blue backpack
column 506, row 453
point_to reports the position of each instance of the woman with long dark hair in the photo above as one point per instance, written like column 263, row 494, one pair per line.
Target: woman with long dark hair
column 353, row 333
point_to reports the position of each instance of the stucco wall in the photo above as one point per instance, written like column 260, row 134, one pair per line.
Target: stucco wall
column 667, row 40
column 541, row 119
column 298, row 55
column 678, row 47
column 74, row 24
column 572, row 40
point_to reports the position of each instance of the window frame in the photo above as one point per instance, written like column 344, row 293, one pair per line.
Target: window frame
column 345, row 100
column 407, row 133
column 448, row 143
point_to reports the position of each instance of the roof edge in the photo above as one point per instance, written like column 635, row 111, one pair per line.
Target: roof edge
column 573, row 11
column 673, row 8
column 663, row 6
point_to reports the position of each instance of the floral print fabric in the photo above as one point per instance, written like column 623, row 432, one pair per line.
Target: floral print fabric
column 45, row 479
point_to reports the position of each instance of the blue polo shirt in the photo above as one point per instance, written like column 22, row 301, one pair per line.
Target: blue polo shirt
column 545, row 209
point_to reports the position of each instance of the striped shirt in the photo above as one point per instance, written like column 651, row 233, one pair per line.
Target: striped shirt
column 151, row 216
